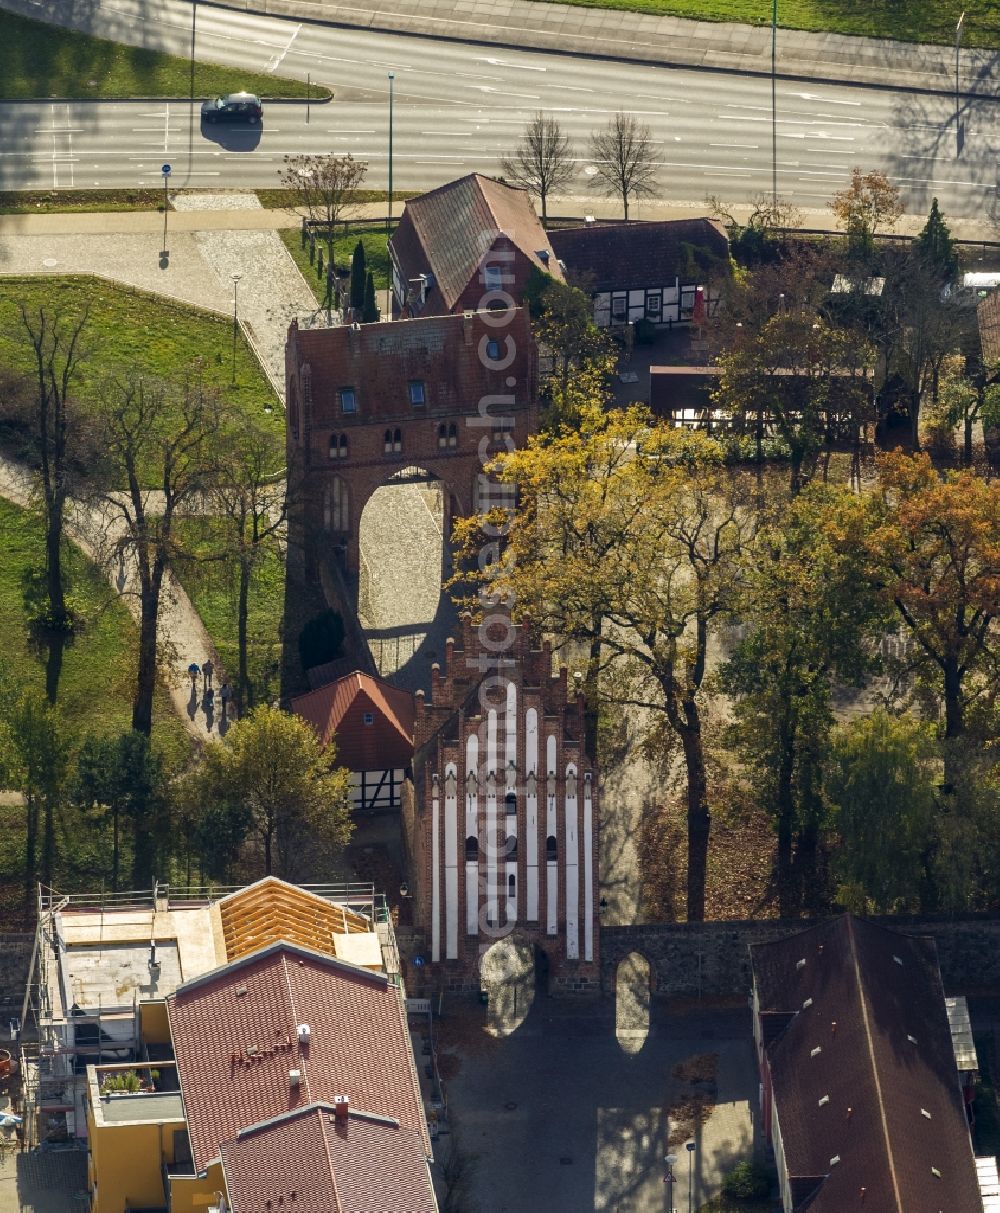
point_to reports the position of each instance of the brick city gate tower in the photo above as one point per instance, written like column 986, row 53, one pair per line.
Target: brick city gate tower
column 501, row 821
column 368, row 403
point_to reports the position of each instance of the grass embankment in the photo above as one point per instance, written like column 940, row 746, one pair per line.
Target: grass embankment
column 38, row 60
column 376, row 256
column 909, row 20
column 212, row 586
column 91, row 676
column 41, row 202
column 131, row 333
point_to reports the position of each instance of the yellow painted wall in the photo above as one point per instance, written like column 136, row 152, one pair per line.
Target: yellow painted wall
column 126, row 1163
column 153, row 1019
column 189, row 1194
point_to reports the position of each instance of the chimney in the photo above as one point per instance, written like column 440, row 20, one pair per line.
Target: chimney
column 303, row 1032
column 294, row 1078
column 467, row 327
column 355, row 338
column 340, row 1107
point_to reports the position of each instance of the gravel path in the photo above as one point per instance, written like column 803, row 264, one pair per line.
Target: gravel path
column 182, row 636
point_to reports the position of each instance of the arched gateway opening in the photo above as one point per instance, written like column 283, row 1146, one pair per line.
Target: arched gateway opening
column 404, row 557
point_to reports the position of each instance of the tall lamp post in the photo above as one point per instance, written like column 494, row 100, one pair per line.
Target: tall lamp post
column 690, row 1147
column 774, row 104
column 236, row 282
column 388, row 221
column 959, row 31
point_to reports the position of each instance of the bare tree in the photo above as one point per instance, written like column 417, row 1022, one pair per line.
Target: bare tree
column 541, row 163
column 324, row 187
column 160, row 435
column 55, row 423
column 624, row 158
column 252, row 501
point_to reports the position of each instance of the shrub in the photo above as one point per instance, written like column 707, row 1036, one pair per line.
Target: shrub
column 747, row 1181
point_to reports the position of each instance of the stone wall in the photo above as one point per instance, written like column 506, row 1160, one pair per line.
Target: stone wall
column 712, row 959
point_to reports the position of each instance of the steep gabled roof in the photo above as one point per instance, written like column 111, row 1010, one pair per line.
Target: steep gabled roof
column 361, row 748
column 235, row 1040
column 621, row 256
column 447, row 231
column 865, row 1084
column 310, row 1162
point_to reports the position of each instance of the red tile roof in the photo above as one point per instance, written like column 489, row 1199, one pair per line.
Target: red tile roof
column 624, row 256
column 235, row 1040
column 988, row 312
column 447, row 231
column 865, row 1082
column 338, row 710
column 315, row 1164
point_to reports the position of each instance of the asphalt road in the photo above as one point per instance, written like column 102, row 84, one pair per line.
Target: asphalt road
column 458, row 107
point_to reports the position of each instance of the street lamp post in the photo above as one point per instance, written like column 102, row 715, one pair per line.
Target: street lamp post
column 236, row 281
column 388, row 221
column 959, row 31
column 690, row 1146
column 774, row 104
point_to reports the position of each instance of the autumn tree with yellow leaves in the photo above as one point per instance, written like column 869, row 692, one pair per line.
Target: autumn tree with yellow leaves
column 627, row 537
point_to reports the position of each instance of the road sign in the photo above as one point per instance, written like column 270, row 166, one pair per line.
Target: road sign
column 165, row 170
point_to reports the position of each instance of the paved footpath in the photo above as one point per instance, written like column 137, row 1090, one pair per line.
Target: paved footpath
column 647, row 37
column 181, row 633
column 206, row 248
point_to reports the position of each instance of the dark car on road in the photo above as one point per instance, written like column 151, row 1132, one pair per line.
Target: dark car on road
column 237, row 107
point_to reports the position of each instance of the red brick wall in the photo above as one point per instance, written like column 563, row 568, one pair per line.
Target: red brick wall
column 443, row 723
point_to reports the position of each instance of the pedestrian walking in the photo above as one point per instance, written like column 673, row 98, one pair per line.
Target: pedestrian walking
column 194, row 669
column 207, row 669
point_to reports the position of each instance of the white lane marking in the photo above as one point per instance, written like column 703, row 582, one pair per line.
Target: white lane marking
column 825, row 100
column 527, row 67
column 751, row 146
column 275, row 61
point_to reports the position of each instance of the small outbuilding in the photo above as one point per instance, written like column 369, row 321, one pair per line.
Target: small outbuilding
column 371, row 723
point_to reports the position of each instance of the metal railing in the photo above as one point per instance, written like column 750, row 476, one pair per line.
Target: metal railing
column 361, row 893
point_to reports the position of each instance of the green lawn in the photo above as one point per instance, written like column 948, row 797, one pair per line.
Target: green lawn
column 42, row 60
column 376, row 255
column 129, row 331
column 95, row 679
column 212, row 586
column 909, row 20
column 278, row 198
column 92, row 678
column 38, row 202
